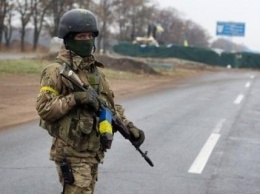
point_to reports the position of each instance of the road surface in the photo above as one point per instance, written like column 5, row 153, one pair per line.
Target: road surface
column 203, row 136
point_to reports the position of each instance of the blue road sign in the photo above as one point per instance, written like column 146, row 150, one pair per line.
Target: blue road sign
column 230, row 28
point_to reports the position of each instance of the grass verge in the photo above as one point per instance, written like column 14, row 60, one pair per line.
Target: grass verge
column 22, row 66
column 35, row 66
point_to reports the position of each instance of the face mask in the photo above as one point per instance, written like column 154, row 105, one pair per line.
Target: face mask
column 82, row 48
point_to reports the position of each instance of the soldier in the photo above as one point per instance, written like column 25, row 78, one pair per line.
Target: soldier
column 70, row 115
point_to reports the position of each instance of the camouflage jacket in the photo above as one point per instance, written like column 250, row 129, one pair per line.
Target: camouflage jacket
column 73, row 127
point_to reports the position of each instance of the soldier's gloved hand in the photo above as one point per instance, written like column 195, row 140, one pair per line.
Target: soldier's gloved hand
column 137, row 135
column 87, row 98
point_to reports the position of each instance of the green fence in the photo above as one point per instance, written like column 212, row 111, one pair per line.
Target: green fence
column 207, row 56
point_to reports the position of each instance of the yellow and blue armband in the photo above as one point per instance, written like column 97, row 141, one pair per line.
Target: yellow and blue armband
column 105, row 128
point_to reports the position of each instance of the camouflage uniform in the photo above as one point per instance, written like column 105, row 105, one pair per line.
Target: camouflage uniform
column 74, row 128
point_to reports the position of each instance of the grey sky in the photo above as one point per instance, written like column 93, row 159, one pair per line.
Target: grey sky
column 208, row 12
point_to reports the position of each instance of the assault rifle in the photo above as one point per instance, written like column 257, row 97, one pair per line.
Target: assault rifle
column 116, row 121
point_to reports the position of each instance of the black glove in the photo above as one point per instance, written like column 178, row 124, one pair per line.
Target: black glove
column 87, row 98
column 106, row 140
column 136, row 135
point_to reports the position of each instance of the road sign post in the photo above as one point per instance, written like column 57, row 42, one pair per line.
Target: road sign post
column 231, row 29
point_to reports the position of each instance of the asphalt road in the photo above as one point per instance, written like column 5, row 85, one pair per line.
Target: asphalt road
column 203, row 136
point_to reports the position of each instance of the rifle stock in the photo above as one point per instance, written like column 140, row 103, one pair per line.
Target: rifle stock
column 116, row 121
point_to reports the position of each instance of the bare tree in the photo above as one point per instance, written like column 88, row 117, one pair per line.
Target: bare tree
column 57, row 10
column 3, row 11
column 133, row 17
column 145, row 16
column 122, row 19
column 25, row 11
column 172, row 24
column 195, row 34
column 8, row 28
column 85, row 4
column 135, row 7
column 39, row 9
column 105, row 14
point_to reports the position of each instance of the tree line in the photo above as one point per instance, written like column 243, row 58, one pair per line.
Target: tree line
column 123, row 20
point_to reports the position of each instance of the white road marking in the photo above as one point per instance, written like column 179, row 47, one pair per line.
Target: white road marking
column 219, row 126
column 247, row 84
column 239, row 99
column 252, row 76
column 202, row 158
column 204, row 154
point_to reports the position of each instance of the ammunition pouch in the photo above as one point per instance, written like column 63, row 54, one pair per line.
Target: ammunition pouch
column 77, row 130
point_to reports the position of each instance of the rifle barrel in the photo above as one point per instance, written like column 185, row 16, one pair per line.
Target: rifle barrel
column 147, row 159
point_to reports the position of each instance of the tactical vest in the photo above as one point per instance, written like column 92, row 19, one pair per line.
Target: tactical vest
column 79, row 127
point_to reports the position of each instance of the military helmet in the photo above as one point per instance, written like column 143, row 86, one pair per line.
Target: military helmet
column 76, row 21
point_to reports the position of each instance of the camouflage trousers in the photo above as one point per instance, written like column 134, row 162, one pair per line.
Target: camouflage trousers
column 85, row 176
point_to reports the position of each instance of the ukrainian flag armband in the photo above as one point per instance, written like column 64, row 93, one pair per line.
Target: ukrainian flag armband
column 105, row 122
column 105, row 128
column 49, row 89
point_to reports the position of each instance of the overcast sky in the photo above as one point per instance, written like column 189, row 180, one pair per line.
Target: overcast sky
column 207, row 12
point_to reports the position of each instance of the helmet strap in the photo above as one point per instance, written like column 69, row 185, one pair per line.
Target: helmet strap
column 71, row 61
column 94, row 46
